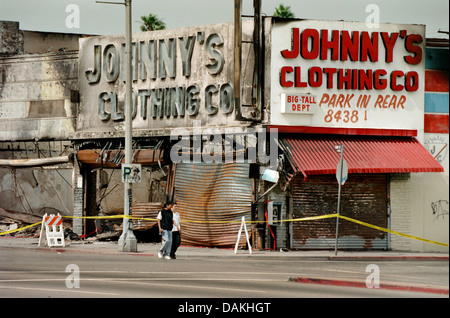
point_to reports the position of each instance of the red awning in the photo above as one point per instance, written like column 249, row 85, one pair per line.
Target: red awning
column 315, row 154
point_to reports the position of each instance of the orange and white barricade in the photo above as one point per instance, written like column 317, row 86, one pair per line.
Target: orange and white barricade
column 53, row 229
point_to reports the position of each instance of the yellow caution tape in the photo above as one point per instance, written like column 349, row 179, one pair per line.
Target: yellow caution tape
column 312, row 218
column 391, row 231
column 80, row 217
column 20, row 229
column 99, row 217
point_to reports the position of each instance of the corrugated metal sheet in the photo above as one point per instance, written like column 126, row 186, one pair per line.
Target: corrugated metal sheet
column 363, row 197
column 211, row 195
column 315, row 154
column 148, row 210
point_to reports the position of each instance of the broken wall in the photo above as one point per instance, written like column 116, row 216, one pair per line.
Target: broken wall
column 38, row 107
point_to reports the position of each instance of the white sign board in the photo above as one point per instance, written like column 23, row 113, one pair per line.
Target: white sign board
column 347, row 76
column 298, row 103
column 131, row 173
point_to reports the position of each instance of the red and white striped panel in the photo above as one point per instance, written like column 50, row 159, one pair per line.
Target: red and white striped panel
column 53, row 220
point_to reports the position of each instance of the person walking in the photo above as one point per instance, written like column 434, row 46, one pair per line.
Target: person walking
column 165, row 225
column 176, row 231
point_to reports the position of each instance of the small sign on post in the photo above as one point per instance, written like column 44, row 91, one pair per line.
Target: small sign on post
column 131, row 173
column 341, row 177
column 342, row 172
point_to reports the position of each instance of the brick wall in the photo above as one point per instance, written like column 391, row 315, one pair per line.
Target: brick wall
column 78, row 198
column 401, row 210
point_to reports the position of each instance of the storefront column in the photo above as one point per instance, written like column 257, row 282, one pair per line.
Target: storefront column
column 78, row 199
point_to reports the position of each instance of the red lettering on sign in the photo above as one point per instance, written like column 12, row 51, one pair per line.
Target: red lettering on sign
column 292, row 54
column 411, row 46
column 388, row 101
column 412, row 81
column 332, row 44
column 344, row 79
column 306, row 53
column 355, row 79
column 379, row 83
column 283, row 81
column 369, row 47
column 349, row 46
column 394, row 76
column 298, row 80
column 315, row 77
column 366, row 80
column 389, row 43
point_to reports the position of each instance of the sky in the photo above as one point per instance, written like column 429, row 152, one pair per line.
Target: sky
column 89, row 17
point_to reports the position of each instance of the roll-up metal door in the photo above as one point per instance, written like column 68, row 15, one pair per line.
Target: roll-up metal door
column 210, row 195
column 363, row 197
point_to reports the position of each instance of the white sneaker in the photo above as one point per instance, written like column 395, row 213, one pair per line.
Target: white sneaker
column 160, row 255
column 168, row 257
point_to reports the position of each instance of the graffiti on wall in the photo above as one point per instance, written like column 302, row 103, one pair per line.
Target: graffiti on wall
column 439, row 208
column 437, row 145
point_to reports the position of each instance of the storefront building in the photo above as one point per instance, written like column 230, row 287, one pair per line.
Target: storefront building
column 341, row 83
column 213, row 108
column 186, row 131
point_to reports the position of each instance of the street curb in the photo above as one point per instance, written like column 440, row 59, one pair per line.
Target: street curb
column 64, row 250
column 358, row 284
column 388, row 258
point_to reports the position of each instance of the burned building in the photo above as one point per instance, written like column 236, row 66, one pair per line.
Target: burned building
column 218, row 111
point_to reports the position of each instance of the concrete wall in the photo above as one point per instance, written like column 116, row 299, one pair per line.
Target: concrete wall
column 38, row 109
column 35, row 96
column 36, row 191
column 419, row 207
column 46, row 42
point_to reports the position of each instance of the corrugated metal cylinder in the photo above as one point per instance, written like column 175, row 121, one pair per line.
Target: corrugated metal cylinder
column 209, row 196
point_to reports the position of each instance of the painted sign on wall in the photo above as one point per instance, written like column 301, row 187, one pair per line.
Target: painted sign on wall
column 355, row 78
column 179, row 76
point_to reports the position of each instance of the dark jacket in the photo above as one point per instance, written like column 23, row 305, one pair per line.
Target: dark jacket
column 166, row 220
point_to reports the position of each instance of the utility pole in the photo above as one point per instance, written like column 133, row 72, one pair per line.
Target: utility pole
column 341, row 176
column 127, row 241
column 340, row 165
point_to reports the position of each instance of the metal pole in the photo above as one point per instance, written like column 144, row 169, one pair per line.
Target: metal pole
column 339, row 200
column 237, row 57
column 127, row 241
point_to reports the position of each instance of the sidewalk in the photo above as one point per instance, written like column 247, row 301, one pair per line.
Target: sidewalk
column 151, row 249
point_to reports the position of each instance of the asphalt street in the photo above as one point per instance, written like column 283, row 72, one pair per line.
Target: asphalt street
column 30, row 273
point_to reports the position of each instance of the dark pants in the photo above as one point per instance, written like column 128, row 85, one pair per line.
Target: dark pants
column 176, row 241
